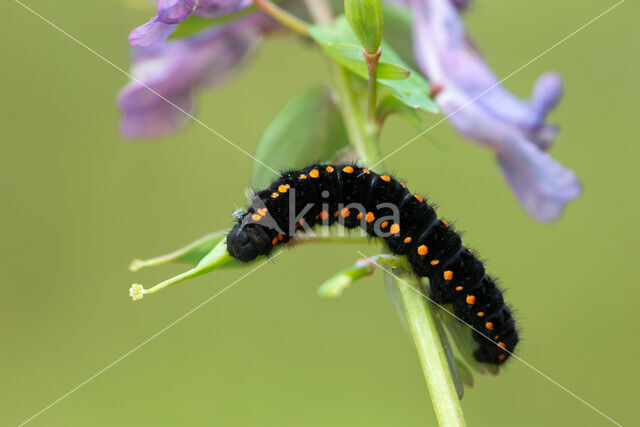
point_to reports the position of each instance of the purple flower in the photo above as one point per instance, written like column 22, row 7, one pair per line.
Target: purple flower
column 175, row 68
column 172, row 12
column 484, row 111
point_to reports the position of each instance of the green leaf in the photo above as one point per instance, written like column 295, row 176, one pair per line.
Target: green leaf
column 307, row 128
column 365, row 18
column 390, row 105
column 190, row 26
column 192, row 253
column 335, row 286
column 465, row 374
column 463, row 337
column 351, row 57
column 194, row 24
column 413, row 91
column 216, row 258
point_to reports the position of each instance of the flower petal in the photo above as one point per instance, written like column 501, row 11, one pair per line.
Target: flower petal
column 481, row 109
column 174, row 11
column 542, row 185
column 162, row 119
column 151, row 33
column 173, row 70
column 546, row 94
column 217, row 8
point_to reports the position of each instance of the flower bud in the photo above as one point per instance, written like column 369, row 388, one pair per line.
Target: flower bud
column 136, row 292
column 365, row 18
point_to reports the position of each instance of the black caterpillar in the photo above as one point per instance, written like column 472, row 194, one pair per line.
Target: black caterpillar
column 384, row 207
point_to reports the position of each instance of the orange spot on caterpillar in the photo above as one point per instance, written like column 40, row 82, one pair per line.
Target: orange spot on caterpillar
column 302, row 176
column 435, row 262
column 422, row 250
column 256, row 217
column 408, row 239
column 489, row 326
column 262, row 211
column 275, row 195
column 345, row 212
column 384, row 224
column 448, row 275
column 335, row 214
column 329, row 169
column 502, row 356
column 314, row 173
column 274, row 241
column 496, row 337
column 386, row 178
column 395, row 229
column 470, row 251
column 403, row 185
column 282, row 189
column 348, row 169
column 471, row 299
column 480, row 313
column 459, row 288
column 502, row 345
column 359, row 215
column 280, row 236
column 324, row 215
column 446, row 224
column 369, row 217
column 367, row 171
column 419, row 198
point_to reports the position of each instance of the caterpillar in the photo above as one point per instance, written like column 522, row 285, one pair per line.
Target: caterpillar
column 383, row 206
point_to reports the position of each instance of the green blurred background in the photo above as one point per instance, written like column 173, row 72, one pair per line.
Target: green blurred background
column 78, row 204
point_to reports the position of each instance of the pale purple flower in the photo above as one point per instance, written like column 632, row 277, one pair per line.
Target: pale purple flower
column 177, row 67
column 484, row 111
column 172, row 12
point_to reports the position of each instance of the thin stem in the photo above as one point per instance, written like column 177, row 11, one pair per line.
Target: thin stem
column 425, row 328
column 282, row 16
column 320, row 11
column 372, row 67
column 423, row 324
column 360, row 135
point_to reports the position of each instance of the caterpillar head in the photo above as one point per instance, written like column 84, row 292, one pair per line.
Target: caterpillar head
column 240, row 245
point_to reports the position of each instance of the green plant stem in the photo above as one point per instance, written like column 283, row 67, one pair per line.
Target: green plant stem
column 423, row 324
column 425, row 330
column 360, row 133
column 372, row 67
column 282, row 16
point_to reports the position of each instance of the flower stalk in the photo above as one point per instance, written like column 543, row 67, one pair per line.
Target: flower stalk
column 282, row 16
column 372, row 66
column 425, row 327
column 426, row 333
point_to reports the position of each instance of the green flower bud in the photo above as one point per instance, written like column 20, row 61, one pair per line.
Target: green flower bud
column 365, row 18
